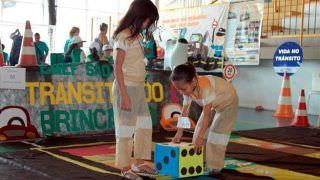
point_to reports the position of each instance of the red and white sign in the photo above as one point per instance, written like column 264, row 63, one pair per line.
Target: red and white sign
column 229, row 72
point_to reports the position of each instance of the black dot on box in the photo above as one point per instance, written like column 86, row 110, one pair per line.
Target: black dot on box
column 173, row 153
column 166, row 159
column 184, row 171
column 191, row 152
column 184, row 153
column 159, row 166
column 191, row 170
column 199, row 153
column 198, row 169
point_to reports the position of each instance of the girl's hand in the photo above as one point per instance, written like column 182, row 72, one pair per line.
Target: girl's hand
column 198, row 142
column 177, row 137
column 125, row 103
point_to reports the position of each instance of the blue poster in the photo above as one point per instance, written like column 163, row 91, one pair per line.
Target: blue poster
column 288, row 58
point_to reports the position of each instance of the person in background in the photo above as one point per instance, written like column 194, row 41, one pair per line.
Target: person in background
column 133, row 124
column 42, row 49
column 75, row 31
column 5, row 56
column 150, row 50
column 150, row 47
column 93, row 56
column 16, row 47
column 102, row 38
column 75, row 52
column 107, row 53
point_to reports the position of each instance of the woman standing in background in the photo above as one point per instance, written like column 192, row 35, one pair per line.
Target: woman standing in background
column 75, row 31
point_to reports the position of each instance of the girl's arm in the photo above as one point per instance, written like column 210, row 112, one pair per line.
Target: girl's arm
column 125, row 101
column 198, row 140
column 118, row 70
column 185, row 113
column 207, row 111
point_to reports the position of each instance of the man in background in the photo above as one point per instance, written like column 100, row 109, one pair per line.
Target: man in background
column 42, row 49
column 5, row 56
column 16, row 47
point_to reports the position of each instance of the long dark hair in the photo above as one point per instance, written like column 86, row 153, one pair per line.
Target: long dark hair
column 138, row 12
column 184, row 72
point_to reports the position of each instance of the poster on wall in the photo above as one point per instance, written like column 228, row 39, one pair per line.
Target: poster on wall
column 243, row 32
column 204, row 27
column 12, row 78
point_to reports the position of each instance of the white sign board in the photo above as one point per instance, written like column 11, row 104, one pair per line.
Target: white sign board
column 12, row 78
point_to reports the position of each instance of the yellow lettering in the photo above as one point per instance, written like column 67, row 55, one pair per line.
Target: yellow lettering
column 61, row 94
column 100, row 99
column 76, row 94
column 31, row 86
column 160, row 97
column 149, row 91
column 46, row 90
column 88, row 93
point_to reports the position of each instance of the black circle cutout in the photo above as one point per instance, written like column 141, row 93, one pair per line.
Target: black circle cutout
column 191, row 170
column 184, row 171
column 166, row 160
column 199, row 169
column 184, row 153
column 199, row 153
column 191, row 152
column 159, row 166
column 173, row 154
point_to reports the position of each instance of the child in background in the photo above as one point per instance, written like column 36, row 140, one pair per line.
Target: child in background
column 5, row 56
column 93, row 56
column 75, row 51
column 75, row 31
column 107, row 53
column 131, row 112
column 220, row 105
column 150, row 50
column 102, row 38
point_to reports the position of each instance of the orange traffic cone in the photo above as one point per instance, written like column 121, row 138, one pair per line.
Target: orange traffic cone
column 301, row 117
column 1, row 56
column 284, row 109
column 28, row 52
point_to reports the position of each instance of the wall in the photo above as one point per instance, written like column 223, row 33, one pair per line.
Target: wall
column 260, row 85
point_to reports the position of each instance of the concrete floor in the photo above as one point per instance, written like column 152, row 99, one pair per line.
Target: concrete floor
column 250, row 119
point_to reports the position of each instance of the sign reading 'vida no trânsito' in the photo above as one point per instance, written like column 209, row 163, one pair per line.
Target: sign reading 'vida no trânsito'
column 288, row 58
column 12, row 78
